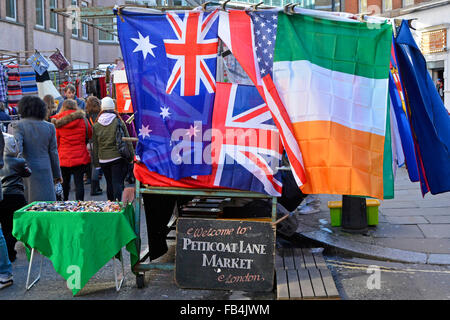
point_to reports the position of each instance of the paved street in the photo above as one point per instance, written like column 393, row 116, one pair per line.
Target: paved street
column 411, row 228
column 421, row 228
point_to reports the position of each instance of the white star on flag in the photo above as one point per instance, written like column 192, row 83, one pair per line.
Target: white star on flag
column 144, row 131
column 144, row 45
column 192, row 131
column 165, row 112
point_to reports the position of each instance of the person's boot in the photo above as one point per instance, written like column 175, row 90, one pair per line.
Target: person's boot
column 95, row 188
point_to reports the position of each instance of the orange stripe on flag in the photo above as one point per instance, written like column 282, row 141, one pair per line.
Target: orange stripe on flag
column 340, row 160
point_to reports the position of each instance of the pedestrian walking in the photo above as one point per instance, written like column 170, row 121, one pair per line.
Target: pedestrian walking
column 11, row 175
column 36, row 141
column 6, row 276
column 70, row 93
column 106, row 150
column 93, row 174
column 72, row 135
column 440, row 88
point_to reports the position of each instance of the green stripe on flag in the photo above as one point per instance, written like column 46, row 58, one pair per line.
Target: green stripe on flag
column 388, row 172
column 355, row 48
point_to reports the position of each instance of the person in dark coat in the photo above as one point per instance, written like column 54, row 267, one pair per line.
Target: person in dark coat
column 11, row 175
column 93, row 109
column 36, row 141
column 4, row 118
column 72, row 134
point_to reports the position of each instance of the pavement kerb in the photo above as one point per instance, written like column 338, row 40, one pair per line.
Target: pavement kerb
column 375, row 252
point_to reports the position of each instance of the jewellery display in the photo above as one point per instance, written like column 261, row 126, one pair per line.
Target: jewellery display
column 76, row 206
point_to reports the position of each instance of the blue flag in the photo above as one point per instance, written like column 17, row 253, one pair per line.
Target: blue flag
column 429, row 119
column 170, row 62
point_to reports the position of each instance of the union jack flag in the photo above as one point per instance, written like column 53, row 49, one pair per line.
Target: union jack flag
column 190, row 50
column 246, row 149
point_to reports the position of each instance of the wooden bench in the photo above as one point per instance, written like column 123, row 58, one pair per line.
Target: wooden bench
column 301, row 273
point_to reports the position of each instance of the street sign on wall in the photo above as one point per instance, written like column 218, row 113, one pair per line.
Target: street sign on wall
column 433, row 41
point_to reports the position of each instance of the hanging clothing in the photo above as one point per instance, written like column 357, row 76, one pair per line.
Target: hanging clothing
column 28, row 81
column 102, row 83
column 59, row 60
column 91, row 87
column 38, row 62
column 3, row 84
column 14, row 87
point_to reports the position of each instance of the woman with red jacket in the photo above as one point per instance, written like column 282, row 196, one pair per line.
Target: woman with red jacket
column 72, row 133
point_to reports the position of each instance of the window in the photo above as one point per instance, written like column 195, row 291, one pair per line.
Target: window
column 40, row 14
column 362, row 6
column 53, row 16
column 387, row 5
column 84, row 27
column 106, row 24
column 11, row 10
column 75, row 24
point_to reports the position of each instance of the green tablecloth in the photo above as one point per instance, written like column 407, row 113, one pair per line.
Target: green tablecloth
column 87, row 240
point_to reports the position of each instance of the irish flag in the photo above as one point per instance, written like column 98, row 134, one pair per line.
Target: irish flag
column 332, row 79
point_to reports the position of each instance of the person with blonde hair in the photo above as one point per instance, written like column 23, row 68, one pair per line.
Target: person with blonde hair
column 72, row 134
column 51, row 106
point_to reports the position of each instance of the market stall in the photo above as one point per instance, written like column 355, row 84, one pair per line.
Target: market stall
column 317, row 85
column 79, row 238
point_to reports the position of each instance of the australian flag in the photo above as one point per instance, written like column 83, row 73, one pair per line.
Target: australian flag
column 170, row 61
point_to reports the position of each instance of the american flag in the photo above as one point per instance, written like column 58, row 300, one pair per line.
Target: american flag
column 251, row 38
column 265, row 31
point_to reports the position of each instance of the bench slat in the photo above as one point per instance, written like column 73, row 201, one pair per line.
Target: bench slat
column 295, row 292
column 282, row 287
column 317, row 284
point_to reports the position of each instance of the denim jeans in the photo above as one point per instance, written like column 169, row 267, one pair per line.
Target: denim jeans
column 5, row 264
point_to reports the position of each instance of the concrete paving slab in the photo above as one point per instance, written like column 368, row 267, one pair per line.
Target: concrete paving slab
column 438, row 219
column 407, row 220
column 387, row 230
column 348, row 245
column 417, row 245
column 394, row 204
column 434, row 203
column 435, row 230
column 415, row 212
column 439, row 259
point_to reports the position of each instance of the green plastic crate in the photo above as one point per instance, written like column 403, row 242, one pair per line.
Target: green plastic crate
column 371, row 209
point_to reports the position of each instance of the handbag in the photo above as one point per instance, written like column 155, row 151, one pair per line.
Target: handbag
column 59, row 191
column 122, row 145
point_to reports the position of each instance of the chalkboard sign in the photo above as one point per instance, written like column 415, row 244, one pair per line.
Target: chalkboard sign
column 225, row 254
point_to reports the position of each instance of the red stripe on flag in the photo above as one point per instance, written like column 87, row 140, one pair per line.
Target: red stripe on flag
column 175, row 25
column 174, row 81
column 252, row 114
column 284, row 124
column 261, row 165
column 242, row 41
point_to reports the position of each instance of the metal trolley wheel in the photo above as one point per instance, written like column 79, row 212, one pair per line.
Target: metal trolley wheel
column 140, row 277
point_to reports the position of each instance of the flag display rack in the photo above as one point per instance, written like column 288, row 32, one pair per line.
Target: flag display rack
column 140, row 268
